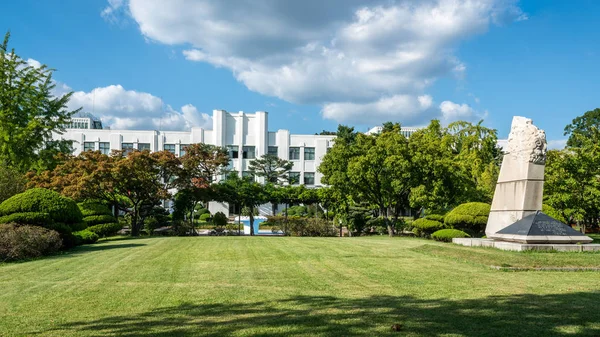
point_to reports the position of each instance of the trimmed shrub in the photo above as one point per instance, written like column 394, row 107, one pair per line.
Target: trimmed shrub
column 89, row 208
column 25, row 242
column 220, row 219
column 551, row 211
column 447, row 235
column 435, row 217
column 204, row 217
column 28, row 218
column 86, row 237
column 98, row 219
column 59, row 208
column 107, row 229
column 425, row 227
column 470, row 217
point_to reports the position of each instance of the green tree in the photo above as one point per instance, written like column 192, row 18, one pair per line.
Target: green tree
column 29, row 113
column 585, row 125
column 11, row 182
column 274, row 169
column 245, row 192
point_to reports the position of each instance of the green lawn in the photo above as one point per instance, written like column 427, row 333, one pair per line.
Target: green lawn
column 274, row 286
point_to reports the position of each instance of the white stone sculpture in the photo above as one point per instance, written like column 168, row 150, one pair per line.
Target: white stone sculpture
column 521, row 180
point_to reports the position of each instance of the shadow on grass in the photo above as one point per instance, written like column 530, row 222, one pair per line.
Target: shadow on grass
column 515, row 315
column 102, row 246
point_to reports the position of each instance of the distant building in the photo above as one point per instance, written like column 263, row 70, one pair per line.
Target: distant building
column 406, row 132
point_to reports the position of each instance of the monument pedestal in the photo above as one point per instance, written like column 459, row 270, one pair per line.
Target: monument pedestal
column 521, row 247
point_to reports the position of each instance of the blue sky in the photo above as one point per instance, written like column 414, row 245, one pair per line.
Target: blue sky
column 156, row 64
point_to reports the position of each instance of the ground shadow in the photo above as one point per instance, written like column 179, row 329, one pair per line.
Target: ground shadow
column 516, row 315
column 102, row 246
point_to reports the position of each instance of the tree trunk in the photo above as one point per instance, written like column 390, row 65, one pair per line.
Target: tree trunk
column 135, row 230
column 383, row 213
column 239, row 220
column 274, row 208
column 251, row 222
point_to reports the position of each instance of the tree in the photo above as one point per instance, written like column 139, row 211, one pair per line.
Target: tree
column 274, row 169
column 133, row 183
column 29, row 113
column 11, row 182
column 244, row 192
column 586, row 125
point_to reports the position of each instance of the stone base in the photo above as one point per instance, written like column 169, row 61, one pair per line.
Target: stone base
column 539, row 239
column 520, row 247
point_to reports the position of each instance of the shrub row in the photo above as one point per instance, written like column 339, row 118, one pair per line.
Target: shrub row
column 25, row 242
column 448, row 234
column 98, row 219
column 300, row 226
column 29, row 218
column 90, row 208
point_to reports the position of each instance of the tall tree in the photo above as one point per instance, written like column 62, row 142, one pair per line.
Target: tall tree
column 246, row 192
column 585, row 125
column 29, row 113
column 274, row 169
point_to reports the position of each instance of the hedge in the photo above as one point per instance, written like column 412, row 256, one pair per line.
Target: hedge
column 204, row 217
column 98, row 219
column 470, row 217
column 90, row 208
column 86, row 237
column 425, row 227
column 448, row 234
column 107, row 229
column 25, row 242
column 39, row 200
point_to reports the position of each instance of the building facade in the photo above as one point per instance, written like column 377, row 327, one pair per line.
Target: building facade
column 245, row 135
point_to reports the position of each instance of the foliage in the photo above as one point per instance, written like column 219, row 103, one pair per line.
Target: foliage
column 24, row 242
column 133, row 182
column 297, row 226
column 89, row 208
column 150, row 224
column 245, row 193
column 98, row 219
column 29, row 113
column 552, row 212
column 572, row 186
column 11, row 182
column 274, row 169
column 220, row 219
column 448, row 234
column 582, row 127
column 470, row 217
column 205, row 217
column 59, row 208
column 106, row 229
column 86, row 237
column 28, row 218
column 436, row 217
column 425, row 227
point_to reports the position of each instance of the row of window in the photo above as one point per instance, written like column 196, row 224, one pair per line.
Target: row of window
column 293, row 177
column 248, row 152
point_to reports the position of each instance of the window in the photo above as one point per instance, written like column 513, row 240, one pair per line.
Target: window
column 233, row 151
column 248, row 152
column 128, row 147
column 294, row 178
column 273, row 150
column 182, row 149
column 89, row 146
column 144, row 146
column 170, row 148
column 294, row 153
column 105, row 147
column 309, row 153
column 309, row 178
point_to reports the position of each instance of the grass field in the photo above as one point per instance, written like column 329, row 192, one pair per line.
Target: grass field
column 274, row 286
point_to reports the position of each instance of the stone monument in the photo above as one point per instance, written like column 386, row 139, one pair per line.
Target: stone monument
column 516, row 221
column 521, row 181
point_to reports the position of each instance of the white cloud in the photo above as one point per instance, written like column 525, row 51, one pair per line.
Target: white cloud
column 111, row 12
column 128, row 109
column 34, row 63
column 347, row 56
column 453, row 112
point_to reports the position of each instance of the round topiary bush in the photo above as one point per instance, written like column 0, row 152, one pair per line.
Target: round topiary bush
column 59, row 209
column 220, row 219
column 470, row 217
column 425, row 227
column 204, row 217
column 86, row 237
column 105, row 229
column 448, row 234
